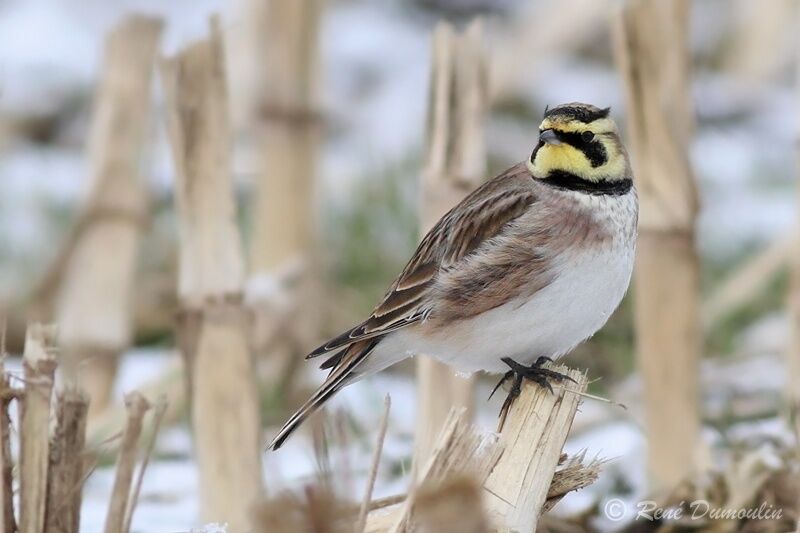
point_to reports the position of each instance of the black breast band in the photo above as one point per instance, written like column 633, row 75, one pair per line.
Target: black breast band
column 566, row 180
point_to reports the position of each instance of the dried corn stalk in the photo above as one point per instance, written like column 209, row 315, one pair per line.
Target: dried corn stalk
column 455, row 165
column 137, row 406
column 213, row 330
column 653, row 54
column 286, row 124
column 7, row 394
column 95, row 302
column 39, row 366
column 67, row 465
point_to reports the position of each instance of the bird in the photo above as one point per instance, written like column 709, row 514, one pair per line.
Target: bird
column 526, row 267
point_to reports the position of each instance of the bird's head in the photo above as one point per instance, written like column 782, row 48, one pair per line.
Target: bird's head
column 580, row 140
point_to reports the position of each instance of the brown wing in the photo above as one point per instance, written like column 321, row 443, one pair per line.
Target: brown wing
column 477, row 219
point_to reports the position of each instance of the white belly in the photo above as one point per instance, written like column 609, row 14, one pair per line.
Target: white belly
column 572, row 308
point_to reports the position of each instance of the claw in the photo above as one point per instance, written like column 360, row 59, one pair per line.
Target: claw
column 508, row 375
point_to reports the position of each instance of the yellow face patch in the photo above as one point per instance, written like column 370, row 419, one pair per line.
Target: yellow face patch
column 567, row 158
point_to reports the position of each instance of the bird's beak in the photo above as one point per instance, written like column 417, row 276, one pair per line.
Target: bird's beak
column 549, row 137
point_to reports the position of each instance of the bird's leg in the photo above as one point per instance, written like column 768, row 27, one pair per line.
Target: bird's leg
column 536, row 373
column 511, row 373
column 516, row 389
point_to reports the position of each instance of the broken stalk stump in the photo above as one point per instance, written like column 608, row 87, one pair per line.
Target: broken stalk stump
column 120, row 493
column 39, row 366
column 7, row 394
column 533, row 435
column 460, row 450
column 67, row 467
column 529, row 478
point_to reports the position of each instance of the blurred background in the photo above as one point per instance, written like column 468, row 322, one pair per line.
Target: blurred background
column 365, row 92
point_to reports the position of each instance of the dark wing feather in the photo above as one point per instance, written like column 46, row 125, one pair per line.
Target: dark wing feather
column 477, row 219
column 346, row 363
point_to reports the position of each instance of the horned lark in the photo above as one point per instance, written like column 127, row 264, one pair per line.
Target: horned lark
column 522, row 270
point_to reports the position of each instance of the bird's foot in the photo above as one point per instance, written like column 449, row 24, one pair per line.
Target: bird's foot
column 536, row 373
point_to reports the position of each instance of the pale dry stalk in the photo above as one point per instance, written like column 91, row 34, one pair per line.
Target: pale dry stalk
column 214, row 328
column 97, row 286
column 286, row 124
column 455, row 164
column 39, row 365
column 652, row 49
column 137, row 406
column 67, row 465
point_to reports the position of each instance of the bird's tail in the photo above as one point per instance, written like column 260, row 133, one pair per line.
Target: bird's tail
column 341, row 375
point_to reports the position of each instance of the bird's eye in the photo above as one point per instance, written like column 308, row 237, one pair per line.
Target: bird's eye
column 587, row 136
